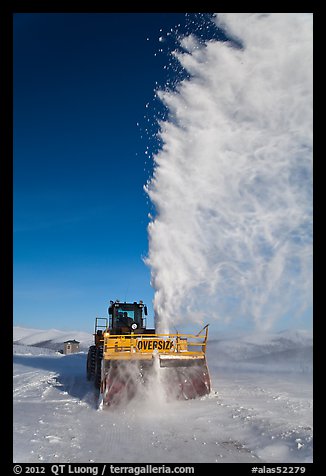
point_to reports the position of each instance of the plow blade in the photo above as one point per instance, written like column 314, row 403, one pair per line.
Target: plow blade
column 185, row 378
column 177, row 378
column 174, row 364
column 120, row 381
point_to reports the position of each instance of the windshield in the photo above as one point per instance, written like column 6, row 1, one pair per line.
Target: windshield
column 125, row 314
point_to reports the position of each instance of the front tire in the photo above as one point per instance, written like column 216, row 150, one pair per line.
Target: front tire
column 98, row 363
column 90, row 365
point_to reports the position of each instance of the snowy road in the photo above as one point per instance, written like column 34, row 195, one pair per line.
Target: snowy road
column 249, row 417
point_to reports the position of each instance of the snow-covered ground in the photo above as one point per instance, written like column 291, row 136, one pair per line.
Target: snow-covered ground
column 260, row 408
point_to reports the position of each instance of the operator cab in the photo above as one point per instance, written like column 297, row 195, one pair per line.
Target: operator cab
column 127, row 317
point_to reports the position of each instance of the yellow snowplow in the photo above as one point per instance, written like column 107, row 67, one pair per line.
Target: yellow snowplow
column 126, row 354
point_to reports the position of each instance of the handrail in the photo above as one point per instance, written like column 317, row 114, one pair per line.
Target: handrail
column 152, row 336
column 99, row 326
column 134, row 334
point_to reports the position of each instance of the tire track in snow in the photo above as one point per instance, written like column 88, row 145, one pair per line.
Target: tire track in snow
column 252, row 418
column 279, row 422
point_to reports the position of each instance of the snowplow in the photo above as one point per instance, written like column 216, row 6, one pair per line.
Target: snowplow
column 126, row 354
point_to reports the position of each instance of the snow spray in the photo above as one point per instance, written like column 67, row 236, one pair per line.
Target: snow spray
column 231, row 238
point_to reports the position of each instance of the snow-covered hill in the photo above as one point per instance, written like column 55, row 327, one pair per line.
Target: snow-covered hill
column 260, row 408
column 50, row 338
column 287, row 351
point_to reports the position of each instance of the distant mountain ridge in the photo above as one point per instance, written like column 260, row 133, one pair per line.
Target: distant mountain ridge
column 50, row 338
column 290, row 350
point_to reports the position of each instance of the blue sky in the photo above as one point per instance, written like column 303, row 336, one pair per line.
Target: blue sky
column 85, row 123
column 82, row 83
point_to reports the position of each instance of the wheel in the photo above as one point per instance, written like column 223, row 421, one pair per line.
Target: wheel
column 90, row 365
column 98, row 363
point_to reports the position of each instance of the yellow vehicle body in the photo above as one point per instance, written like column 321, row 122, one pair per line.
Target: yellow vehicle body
column 127, row 355
column 143, row 346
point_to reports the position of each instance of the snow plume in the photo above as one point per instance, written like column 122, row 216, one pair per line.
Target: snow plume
column 232, row 182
